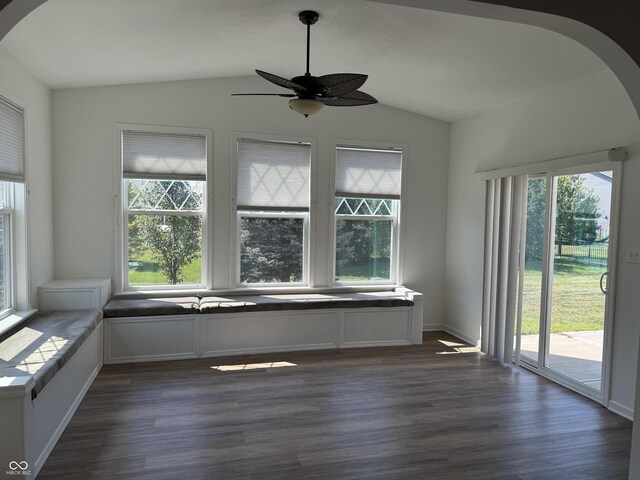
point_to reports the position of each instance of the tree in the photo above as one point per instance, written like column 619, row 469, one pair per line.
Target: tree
column 137, row 248
column 576, row 214
column 345, row 247
column 271, row 250
column 361, row 240
column 363, row 245
column 174, row 241
column 535, row 218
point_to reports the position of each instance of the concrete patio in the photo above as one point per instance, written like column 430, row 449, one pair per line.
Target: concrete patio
column 577, row 355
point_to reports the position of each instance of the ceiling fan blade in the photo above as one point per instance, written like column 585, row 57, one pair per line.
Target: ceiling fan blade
column 352, row 99
column 340, row 84
column 265, row 94
column 280, row 81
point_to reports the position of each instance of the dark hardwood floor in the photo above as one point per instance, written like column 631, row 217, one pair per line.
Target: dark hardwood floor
column 435, row 411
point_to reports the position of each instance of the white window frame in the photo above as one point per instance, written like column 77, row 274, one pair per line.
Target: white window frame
column 17, row 201
column 17, row 274
column 10, row 279
column 397, row 226
column 393, row 219
column 308, row 240
column 305, row 245
column 122, row 214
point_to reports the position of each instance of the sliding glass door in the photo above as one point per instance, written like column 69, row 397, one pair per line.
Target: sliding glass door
column 533, row 261
column 566, row 282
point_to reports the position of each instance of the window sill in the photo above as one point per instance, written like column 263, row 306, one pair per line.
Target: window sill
column 13, row 319
column 256, row 291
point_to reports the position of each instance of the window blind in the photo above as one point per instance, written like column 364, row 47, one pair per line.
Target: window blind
column 506, row 201
column 273, row 175
column 368, row 173
column 11, row 142
column 164, row 156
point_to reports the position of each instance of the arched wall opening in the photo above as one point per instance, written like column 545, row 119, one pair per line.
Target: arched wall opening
column 622, row 57
column 557, row 18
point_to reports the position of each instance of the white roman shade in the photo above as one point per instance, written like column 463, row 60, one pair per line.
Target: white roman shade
column 164, row 156
column 11, row 142
column 368, row 173
column 273, row 175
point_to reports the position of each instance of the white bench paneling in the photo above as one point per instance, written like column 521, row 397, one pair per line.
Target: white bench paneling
column 376, row 327
column 269, row 331
column 30, row 429
column 57, row 402
column 173, row 337
column 74, row 294
column 143, row 339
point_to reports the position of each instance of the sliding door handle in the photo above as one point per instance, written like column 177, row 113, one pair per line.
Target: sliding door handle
column 604, row 290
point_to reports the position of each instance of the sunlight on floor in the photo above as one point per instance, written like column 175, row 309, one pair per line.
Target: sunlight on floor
column 447, row 343
column 457, row 348
column 252, row 366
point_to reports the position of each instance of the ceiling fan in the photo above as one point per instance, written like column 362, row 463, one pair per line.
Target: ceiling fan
column 312, row 93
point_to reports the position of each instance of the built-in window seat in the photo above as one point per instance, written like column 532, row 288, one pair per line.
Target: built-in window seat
column 47, row 363
column 136, row 307
column 146, row 329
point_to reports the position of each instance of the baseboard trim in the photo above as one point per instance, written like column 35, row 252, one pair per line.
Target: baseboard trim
column 431, row 327
column 274, row 349
column 622, row 410
column 151, row 358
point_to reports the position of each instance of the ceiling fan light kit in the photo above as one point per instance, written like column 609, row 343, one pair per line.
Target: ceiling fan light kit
column 313, row 93
column 305, row 106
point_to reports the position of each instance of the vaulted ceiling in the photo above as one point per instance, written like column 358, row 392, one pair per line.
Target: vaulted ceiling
column 443, row 65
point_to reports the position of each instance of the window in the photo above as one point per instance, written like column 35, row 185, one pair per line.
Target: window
column 11, row 182
column 6, row 248
column 164, row 183
column 273, row 211
column 367, row 204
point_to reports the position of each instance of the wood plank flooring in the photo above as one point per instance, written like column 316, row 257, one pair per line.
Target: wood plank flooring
column 435, row 411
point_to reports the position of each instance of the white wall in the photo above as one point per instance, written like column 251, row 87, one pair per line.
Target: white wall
column 16, row 81
column 84, row 160
column 591, row 114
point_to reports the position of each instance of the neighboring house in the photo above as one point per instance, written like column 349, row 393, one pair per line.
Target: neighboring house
column 600, row 184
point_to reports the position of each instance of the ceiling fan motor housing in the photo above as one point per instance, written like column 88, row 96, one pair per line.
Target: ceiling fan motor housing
column 312, row 87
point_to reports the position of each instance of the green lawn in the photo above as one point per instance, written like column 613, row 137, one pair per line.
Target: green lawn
column 358, row 272
column 147, row 272
column 578, row 303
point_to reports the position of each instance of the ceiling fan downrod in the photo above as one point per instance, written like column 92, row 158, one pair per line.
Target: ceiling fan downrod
column 308, row 18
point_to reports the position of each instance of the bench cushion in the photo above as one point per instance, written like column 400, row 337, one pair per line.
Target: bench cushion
column 44, row 343
column 141, row 307
column 257, row 303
